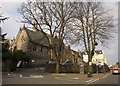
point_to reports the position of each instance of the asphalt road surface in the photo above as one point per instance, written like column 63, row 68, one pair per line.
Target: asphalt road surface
column 110, row 80
column 15, row 79
column 42, row 79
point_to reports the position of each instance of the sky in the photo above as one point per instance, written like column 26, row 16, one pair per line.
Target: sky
column 12, row 26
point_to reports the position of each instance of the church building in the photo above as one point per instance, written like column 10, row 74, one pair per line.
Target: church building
column 35, row 43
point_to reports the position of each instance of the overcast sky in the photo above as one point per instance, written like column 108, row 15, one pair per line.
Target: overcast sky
column 11, row 26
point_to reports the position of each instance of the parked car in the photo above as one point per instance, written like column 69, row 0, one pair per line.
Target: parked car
column 116, row 71
column 51, row 61
column 67, row 63
column 50, row 66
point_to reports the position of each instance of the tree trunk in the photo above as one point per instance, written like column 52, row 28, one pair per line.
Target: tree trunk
column 90, row 69
column 58, row 66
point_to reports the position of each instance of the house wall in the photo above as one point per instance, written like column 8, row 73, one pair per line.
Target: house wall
column 98, row 59
column 38, row 50
column 67, row 54
column 39, row 54
column 85, row 58
column 22, row 42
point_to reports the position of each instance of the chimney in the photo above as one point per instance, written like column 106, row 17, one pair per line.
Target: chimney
column 34, row 28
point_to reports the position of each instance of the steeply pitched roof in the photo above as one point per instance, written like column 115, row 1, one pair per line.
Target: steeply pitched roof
column 84, row 53
column 18, row 35
column 37, row 37
column 99, row 52
column 75, row 52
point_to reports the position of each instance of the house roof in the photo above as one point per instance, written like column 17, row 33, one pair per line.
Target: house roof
column 84, row 53
column 75, row 52
column 37, row 37
column 97, row 52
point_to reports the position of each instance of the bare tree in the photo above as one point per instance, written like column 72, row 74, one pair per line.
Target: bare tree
column 93, row 24
column 51, row 17
column 2, row 19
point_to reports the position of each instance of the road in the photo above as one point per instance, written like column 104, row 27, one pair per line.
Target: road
column 39, row 79
column 110, row 80
column 43, row 79
column 63, row 79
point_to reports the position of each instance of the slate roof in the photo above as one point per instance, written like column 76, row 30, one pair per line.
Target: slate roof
column 75, row 52
column 37, row 37
column 97, row 52
column 84, row 53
